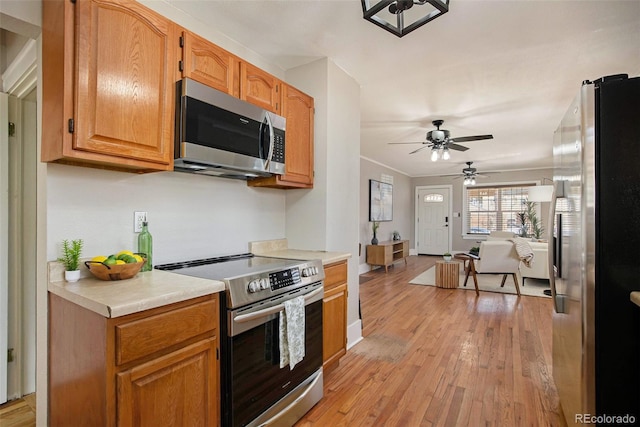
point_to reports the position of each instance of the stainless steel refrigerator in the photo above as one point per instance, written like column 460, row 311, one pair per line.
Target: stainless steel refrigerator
column 595, row 253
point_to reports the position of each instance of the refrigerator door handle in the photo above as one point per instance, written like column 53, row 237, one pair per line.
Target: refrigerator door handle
column 558, row 302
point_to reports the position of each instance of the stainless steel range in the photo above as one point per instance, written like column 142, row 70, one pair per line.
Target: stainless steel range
column 255, row 390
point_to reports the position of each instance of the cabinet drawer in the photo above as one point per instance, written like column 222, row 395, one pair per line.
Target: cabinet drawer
column 142, row 337
column 335, row 274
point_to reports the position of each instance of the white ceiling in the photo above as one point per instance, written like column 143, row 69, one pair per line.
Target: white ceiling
column 507, row 68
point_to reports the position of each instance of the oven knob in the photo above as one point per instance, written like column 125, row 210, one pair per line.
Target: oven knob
column 306, row 272
column 264, row 283
column 254, row 286
column 315, row 270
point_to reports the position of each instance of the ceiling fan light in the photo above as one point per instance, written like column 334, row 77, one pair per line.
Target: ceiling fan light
column 445, row 154
column 466, row 181
column 473, row 181
column 434, row 154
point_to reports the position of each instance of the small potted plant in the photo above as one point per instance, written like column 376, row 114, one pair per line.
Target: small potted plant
column 446, row 256
column 375, row 226
column 71, row 251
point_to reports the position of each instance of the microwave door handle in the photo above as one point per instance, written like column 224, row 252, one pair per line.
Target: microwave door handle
column 271, row 140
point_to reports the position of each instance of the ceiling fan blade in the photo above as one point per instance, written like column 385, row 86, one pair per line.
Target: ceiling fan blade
column 421, row 148
column 457, row 147
column 420, row 142
column 471, row 138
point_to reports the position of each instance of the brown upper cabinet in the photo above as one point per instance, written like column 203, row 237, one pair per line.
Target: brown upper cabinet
column 260, row 88
column 109, row 73
column 209, row 64
column 109, row 70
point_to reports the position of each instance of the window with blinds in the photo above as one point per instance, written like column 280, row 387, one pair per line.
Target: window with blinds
column 494, row 208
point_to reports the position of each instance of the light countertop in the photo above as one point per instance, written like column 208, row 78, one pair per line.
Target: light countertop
column 117, row 298
column 279, row 248
column 326, row 257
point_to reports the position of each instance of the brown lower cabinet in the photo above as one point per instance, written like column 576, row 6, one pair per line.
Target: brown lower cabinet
column 156, row 367
column 334, row 315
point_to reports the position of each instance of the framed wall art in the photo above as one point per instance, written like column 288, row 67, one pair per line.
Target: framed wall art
column 380, row 201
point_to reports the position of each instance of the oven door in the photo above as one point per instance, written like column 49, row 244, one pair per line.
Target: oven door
column 253, row 381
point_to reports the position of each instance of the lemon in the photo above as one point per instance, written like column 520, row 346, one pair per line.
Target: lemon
column 119, row 262
column 99, row 258
column 138, row 258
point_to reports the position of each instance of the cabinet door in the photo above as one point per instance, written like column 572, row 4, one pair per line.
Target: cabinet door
column 125, row 82
column 179, row 389
column 259, row 87
column 298, row 110
column 209, row 64
column 334, row 323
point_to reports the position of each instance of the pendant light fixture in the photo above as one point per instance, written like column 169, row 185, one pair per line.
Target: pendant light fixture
column 400, row 17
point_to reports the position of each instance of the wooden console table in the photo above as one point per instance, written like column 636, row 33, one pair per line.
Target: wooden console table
column 386, row 253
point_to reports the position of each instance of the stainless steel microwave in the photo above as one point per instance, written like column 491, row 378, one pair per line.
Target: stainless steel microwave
column 219, row 135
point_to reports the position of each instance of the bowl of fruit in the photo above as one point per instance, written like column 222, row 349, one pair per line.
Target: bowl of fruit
column 120, row 266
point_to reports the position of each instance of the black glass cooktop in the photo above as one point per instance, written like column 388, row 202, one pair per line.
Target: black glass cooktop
column 229, row 267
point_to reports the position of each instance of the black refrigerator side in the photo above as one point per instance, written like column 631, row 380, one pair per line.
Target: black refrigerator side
column 615, row 262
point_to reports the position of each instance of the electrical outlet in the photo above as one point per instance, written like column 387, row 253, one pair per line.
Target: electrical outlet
column 138, row 219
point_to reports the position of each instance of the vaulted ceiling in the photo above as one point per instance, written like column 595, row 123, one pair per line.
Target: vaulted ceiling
column 507, row 68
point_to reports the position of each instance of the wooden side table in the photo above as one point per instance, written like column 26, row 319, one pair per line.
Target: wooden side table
column 447, row 274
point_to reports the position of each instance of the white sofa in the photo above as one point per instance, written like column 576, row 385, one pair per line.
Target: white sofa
column 540, row 267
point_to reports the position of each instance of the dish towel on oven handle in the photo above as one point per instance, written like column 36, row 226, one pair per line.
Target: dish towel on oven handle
column 292, row 332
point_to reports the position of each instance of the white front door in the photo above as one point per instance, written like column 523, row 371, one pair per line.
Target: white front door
column 4, row 242
column 433, row 217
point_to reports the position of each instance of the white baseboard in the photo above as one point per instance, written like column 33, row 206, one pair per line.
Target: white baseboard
column 354, row 333
column 363, row 268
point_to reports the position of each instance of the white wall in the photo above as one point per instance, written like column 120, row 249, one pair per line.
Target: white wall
column 21, row 17
column 189, row 216
column 326, row 217
column 402, row 207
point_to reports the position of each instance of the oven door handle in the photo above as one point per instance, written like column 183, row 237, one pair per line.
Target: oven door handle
column 271, row 310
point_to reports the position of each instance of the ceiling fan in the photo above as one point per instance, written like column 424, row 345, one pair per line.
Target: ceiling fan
column 440, row 139
column 470, row 174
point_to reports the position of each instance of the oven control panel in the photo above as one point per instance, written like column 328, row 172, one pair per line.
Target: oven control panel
column 284, row 278
column 276, row 281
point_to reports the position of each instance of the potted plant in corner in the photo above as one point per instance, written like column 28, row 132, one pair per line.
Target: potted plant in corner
column 446, row 256
column 71, row 251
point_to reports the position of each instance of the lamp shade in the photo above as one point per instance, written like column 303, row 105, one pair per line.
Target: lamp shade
column 540, row 193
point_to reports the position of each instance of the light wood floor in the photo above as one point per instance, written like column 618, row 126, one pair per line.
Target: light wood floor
column 442, row 357
column 19, row 413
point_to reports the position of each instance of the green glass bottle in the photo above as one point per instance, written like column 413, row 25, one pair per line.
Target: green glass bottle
column 145, row 246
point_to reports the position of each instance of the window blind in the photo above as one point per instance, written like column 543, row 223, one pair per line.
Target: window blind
column 494, row 208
